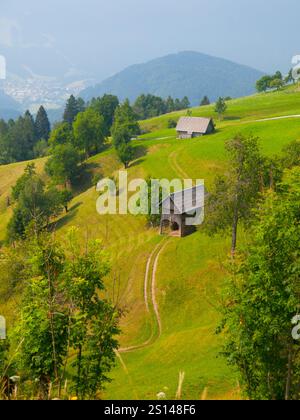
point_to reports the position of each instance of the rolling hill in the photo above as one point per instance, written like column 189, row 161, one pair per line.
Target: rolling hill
column 189, row 74
column 169, row 287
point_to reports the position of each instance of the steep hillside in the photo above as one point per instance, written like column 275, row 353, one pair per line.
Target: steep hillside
column 185, row 74
column 169, row 287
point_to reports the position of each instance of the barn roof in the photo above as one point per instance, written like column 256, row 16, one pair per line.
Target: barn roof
column 187, row 200
column 193, row 124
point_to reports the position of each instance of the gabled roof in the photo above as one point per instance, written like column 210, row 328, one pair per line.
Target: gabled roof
column 193, row 124
column 187, row 200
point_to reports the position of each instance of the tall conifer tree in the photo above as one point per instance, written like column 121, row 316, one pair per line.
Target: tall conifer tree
column 42, row 124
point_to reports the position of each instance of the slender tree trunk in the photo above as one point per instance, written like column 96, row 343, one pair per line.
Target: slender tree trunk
column 79, row 371
column 67, row 355
column 234, row 230
column 50, row 303
column 272, row 184
column 289, row 373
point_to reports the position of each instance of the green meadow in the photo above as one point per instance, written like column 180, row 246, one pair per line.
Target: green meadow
column 190, row 272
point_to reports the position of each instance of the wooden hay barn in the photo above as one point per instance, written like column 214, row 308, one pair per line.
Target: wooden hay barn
column 191, row 127
column 179, row 208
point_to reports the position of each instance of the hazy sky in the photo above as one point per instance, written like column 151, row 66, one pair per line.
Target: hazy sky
column 102, row 37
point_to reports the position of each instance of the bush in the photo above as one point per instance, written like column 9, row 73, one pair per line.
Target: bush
column 172, row 123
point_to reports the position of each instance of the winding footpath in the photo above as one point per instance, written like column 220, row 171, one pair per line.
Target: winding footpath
column 153, row 288
column 174, row 164
column 151, row 304
column 150, row 284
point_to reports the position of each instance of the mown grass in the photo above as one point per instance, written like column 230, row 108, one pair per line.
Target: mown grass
column 190, row 273
column 266, row 105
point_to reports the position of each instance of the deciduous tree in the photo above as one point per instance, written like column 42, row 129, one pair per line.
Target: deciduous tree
column 235, row 194
column 221, row 107
column 89, row 131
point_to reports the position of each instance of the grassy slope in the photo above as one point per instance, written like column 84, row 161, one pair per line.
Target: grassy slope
column 8, row 177
column 190, row 272
column 271, row 104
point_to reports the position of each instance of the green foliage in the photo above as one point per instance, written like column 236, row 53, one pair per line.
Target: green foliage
column 150, row 106
column 65, row 197
column 89, row 131
column 29, row 172
column 235, row 194
column 221, row 107
column 272, row 172
column 272, row 82
column 291, row 155
column 276, row 84
column 61, row 134
column 17, row 139
column 185, row 103
column 35, row 205
column 41, row 149
column 263, row 84
column 289, row 78
column 72, row 109
column 122, row 134
column 263, row 297
column 124, row 128
column 63, row 315
column 125, row 118
column 205, row 101
column 172, row 123
column 4, row 355
column 12, row 271
column 106, row 106
column 63, row 165
column 93, row 320
column 42, row 124
column 43, row 326
column 125, row 153
column 3, row 362
column 154, row 191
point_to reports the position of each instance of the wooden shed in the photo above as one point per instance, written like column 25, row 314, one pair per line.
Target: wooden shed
column 179, row 208
column 190, row 127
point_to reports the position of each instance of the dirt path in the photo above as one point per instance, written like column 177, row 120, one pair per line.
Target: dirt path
column 153, row 289
column 148, row 269
column 174, row 164
column 150, row 284
column 284, row 117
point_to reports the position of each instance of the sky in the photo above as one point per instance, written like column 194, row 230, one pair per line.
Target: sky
column 102, row 37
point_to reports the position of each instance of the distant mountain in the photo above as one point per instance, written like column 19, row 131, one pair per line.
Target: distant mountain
column 9, row 108
column 189, row 74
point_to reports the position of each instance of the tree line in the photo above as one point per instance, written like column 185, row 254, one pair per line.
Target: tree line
column 28, row 137
column 150, row 106
column 25, row 138
column 275, row 81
